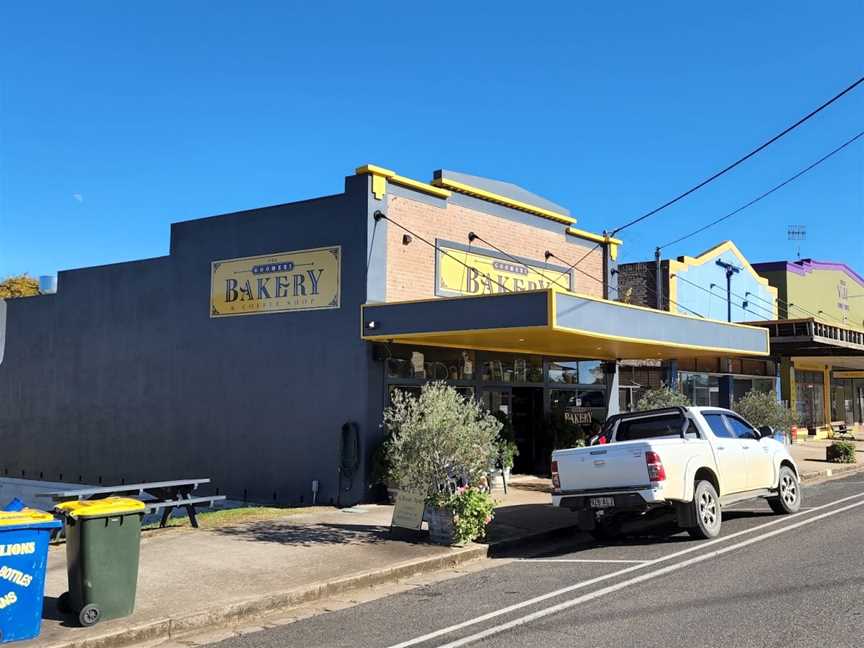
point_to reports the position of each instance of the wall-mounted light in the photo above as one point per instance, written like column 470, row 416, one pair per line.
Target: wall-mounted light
column 371, row 324
column 406, row 239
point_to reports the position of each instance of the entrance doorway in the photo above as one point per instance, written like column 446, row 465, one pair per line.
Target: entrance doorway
column 529, row 430
column 521, row 411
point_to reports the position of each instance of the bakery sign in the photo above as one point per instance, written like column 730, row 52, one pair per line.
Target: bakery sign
column 463, row 270
column 276, row 283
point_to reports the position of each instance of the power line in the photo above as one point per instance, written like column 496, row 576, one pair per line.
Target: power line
column 767, row 193
column 740, row 160
column 618, row 291
column 789, row 306
column 379, row 215
column 710, row 292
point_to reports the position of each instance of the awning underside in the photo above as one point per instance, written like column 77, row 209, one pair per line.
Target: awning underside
column 555, row 323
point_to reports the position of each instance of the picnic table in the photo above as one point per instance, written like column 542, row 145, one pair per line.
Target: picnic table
column 165, row 496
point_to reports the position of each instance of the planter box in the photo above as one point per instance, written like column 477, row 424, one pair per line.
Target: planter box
column 441, row 529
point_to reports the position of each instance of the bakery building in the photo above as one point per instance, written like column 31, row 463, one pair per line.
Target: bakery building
column 263, row 348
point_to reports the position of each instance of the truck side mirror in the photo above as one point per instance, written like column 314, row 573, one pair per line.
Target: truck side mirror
column 766, row 431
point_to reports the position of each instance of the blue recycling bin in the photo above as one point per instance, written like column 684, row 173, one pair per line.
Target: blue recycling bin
column 24, row 537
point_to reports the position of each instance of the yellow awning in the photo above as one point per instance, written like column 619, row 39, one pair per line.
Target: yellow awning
column 556, row 323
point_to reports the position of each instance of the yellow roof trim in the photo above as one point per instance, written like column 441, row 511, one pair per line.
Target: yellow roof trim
column 476, row 192
column 591, row 236
column 395, row 178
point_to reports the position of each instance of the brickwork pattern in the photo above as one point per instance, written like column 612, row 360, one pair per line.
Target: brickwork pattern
column 411, row 268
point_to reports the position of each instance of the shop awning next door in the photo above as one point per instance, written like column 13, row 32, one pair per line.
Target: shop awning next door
column 557, row 323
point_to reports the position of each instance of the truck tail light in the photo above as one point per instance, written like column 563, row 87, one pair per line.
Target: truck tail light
column 656, row 472
column 556, row 481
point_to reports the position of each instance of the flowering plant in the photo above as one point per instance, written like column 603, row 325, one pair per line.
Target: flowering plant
column 471, row 507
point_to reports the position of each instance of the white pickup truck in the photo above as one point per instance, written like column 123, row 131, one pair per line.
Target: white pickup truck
column 690, row 461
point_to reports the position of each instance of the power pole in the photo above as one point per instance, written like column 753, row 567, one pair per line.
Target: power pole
column 658, row 288
column 730, row 270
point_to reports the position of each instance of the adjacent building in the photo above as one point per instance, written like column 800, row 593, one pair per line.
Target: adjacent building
column 721, row 284
column 820, row 338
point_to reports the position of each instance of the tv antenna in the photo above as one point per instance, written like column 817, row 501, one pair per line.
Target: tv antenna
column 797, row 233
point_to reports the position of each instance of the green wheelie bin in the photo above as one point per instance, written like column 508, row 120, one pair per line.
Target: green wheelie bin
column 103, row 541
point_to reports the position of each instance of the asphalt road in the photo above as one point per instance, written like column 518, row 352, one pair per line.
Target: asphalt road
column 769, row 580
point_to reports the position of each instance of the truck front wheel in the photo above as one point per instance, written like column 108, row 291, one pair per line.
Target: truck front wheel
column 706, row 510
column 788, row 498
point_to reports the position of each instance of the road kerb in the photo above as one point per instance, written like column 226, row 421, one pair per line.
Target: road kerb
column 825, row 474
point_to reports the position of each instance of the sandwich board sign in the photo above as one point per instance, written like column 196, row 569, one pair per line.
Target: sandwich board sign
column 407, row 515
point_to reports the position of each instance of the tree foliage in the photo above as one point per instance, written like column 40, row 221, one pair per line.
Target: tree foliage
column 763, row 408
column 662, row 397
column 438, row 437
column 19, row 286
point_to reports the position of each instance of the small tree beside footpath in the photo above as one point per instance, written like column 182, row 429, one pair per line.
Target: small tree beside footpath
column 18, row 286
column 442, row 446
column 763, row 408
column 661, row 397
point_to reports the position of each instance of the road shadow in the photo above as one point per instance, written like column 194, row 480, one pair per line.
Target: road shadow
column 307, row 534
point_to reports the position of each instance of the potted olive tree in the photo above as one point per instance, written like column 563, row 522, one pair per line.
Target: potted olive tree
column 442, row 445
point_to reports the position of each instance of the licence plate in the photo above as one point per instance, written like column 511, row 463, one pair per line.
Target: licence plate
column 602, row 502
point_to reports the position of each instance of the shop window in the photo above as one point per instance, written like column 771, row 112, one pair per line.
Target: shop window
column 574, row 416
column 430, row 363
column 506, row 368
column 842, row 401
column 810, row 398
column 701, row 389
column 742, row 386
column 581, row 372
column 497, row 401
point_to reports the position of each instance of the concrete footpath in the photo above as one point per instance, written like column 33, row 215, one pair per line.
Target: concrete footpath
column 194, row 579
column 191, row 580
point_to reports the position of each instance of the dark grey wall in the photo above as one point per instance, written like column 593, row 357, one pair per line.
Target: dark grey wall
column 122, row 375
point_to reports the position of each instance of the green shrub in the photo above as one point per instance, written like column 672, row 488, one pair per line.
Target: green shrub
column 662, row 397
column 841, row 452
column 763, row 408
column 439, row 438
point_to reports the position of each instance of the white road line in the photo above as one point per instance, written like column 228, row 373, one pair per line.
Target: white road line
column 638, row 579
column 579, row 560
column 599, row 579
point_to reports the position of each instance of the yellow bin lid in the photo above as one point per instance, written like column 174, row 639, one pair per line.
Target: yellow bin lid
column 101, row 507
column 24, row 517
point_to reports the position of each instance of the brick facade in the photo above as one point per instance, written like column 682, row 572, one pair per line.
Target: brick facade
column 637, row 283
column 411, row 268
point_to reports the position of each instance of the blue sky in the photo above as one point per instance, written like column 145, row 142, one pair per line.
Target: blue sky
column 117, row 119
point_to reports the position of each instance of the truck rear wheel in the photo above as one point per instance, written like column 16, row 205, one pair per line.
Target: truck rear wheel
column 706, row 510
column 605, row 531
